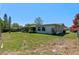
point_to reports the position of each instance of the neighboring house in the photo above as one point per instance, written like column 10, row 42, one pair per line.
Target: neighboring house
column 49, row 28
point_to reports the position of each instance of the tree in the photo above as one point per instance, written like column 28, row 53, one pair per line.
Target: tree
column 15, row 27
column 1, row 24
column 20, row 27
column 6, row 23
column 27, row 27
column 38, row 21
column 75, row 26
column 9, row 24
column 0, row 27
column 5, row 20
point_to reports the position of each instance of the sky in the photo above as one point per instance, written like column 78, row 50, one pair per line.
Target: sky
column 25, row 13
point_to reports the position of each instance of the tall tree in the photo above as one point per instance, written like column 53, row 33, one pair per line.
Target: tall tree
column 9, row 24
column 5, row 21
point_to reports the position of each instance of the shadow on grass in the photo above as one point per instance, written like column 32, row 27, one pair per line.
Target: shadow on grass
column 61, row 34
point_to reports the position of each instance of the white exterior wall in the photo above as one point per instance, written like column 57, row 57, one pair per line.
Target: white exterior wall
column 48, row 29
column 59, row 29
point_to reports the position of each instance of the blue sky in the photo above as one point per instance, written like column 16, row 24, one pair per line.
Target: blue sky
column 49, row 12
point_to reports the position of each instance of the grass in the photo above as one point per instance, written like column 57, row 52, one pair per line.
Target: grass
column 15, row 40
column 18, row 41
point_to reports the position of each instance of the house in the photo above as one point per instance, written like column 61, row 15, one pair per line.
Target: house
column 48, row 28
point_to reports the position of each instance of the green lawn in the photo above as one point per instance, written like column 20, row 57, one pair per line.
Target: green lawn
column 18, row 41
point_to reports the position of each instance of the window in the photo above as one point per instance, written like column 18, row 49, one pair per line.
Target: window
column 38, row 28
column 43, row 28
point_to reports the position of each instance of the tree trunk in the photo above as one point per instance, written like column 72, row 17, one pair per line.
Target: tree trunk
column 0, row 33
column 78, row 35
column 1, row 42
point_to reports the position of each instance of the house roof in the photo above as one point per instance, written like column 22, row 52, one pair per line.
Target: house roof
column 34, row 25
column 65, row 27
column 51, row 24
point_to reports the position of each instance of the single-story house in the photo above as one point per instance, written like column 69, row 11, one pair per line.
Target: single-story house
column 48, row 28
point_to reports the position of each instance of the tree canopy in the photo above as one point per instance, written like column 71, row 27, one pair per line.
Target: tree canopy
column 38, row 21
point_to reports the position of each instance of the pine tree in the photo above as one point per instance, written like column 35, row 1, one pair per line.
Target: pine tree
column 5, row 20
column 9, row 24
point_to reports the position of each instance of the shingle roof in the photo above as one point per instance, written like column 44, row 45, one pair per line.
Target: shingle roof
column 34, row 25
column 51, row 24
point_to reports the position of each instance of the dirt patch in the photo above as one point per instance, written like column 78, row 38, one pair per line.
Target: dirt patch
column 59, row 47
